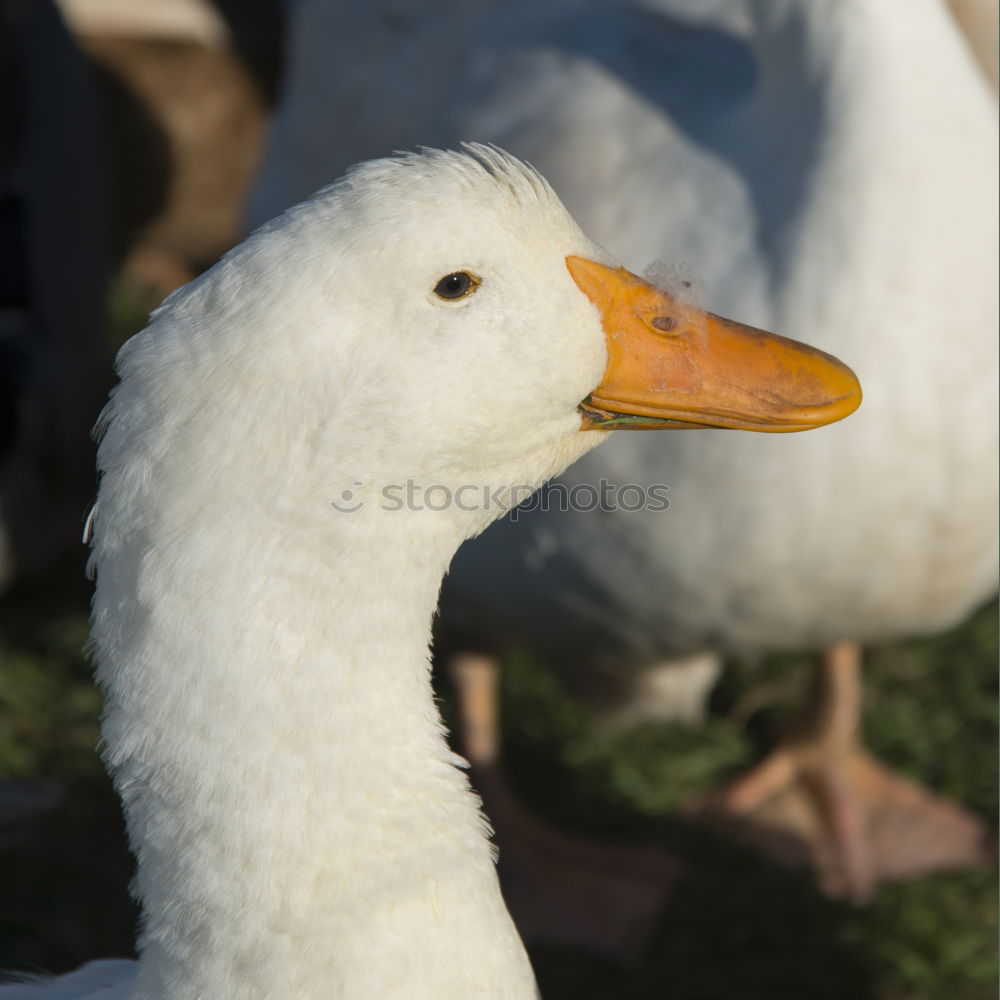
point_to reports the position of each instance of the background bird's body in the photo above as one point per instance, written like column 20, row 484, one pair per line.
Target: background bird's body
column 869, row 232
column 827, row 169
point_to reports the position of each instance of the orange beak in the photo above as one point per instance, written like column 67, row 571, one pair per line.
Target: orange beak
column 673, row 365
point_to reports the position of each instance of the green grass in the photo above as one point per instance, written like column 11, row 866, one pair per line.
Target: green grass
column 738, row 926
column 63, row 896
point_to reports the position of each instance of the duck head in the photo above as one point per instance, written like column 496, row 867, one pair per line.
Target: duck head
column 440, row 318
column 514, row 338
column 508, row 351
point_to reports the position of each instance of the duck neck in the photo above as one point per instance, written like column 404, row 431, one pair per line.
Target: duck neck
column 300, row 824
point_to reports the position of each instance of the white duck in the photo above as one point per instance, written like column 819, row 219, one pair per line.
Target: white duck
column 262, row 613
column 829, row 168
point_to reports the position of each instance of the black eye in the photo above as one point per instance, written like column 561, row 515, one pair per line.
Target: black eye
column 456, row 285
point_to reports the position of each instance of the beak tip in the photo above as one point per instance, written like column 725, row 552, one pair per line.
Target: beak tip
column 851, row 398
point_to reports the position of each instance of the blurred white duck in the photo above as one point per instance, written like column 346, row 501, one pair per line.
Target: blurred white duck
column 262, row 615
column 829, row 168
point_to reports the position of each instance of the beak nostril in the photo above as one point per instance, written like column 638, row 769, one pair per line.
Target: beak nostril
column 664, row 323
